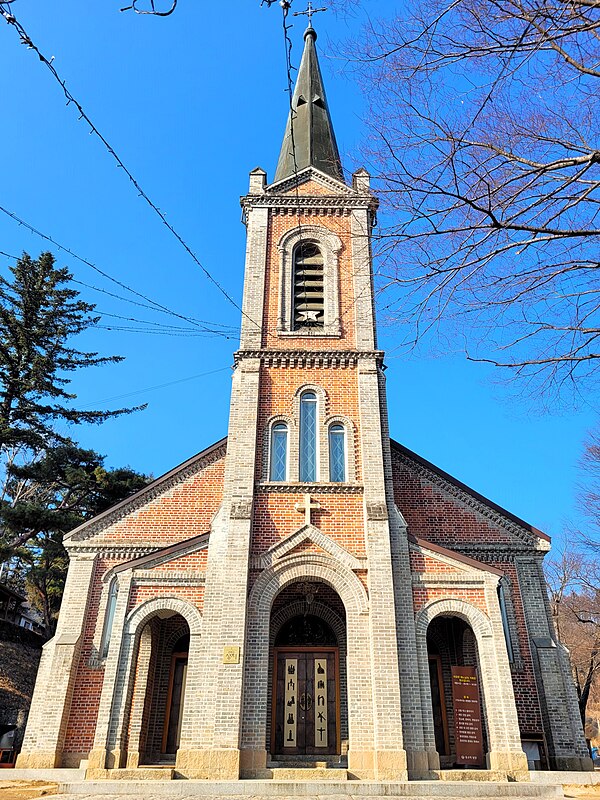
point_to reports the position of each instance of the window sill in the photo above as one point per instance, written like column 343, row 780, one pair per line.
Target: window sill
column 312, row 333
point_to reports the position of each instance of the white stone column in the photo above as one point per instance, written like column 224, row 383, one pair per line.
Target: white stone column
column 213, row 750
column 51, row 703
column 389, row 756
column 254, row 279
column 106, row 752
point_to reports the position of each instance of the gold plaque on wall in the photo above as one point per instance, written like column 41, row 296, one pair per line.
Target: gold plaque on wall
column 231, row 654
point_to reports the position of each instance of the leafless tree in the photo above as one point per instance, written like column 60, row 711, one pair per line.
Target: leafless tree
column 574, row 584
column 486, row 142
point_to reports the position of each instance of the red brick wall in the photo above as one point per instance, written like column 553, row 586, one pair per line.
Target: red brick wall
column 441, row 518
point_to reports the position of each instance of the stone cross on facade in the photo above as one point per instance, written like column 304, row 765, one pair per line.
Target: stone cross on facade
column 307, row 506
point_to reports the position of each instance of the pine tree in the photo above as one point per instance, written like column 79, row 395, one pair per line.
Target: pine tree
column 39, row 315
column 49, row 484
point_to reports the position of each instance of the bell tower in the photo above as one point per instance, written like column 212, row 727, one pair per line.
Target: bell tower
column 307, row 493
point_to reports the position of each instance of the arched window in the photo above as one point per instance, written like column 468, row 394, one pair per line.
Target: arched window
column 308, row 437
column 109, row 616
column 505, row 624
column 308, row 302
column 337, row 453
column 279, row 452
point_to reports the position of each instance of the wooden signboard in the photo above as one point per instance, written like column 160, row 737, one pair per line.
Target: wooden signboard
column 467, row 717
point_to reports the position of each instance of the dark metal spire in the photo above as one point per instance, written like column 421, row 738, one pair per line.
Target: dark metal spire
column 313, row 142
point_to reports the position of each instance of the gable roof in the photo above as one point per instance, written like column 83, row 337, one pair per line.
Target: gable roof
column 462, row 487
column 106, row 517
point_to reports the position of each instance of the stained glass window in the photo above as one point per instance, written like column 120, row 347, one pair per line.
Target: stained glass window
column 279, row 447
column 337, row 454
column 308, row 437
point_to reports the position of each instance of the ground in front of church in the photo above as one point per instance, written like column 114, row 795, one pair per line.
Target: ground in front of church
column 31, row 790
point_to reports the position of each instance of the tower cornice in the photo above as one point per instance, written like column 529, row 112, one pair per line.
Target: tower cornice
column 310, row 358
column 322, row 204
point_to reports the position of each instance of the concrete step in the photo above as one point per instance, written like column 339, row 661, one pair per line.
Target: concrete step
column 131, row 775
column 306, row 764
column 308, row 773
column 424, row 790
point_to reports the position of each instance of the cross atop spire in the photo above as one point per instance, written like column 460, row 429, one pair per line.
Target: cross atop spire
column 309, row 139
column 309, row 12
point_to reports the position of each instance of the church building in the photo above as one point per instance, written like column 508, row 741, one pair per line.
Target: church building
column 306, row 593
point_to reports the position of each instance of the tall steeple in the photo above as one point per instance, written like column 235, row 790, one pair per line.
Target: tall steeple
column 313, row 142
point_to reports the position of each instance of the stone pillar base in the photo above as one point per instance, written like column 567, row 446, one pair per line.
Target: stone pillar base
column 382, row 765
column 417, row 762
column 253, row 764
column 97, row 759
column 38, row 760
column 513, row 763
column 221, row 765
column 133, row 759
column 567, row 764
column 391, row 765
column 361, row 764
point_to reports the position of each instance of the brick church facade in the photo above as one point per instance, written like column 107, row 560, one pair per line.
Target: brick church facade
column 306, row 590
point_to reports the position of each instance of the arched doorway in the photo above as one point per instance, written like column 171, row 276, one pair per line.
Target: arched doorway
column 307, row 675
column 160, row 684
column 457, row 699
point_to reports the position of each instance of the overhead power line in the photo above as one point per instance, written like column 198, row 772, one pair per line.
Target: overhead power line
column 154, row 304
column 157, row 386
column 48, row 62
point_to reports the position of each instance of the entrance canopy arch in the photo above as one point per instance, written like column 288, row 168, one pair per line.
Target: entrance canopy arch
column 270, row 584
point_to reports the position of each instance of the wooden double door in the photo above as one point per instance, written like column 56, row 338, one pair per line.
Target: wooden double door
column 306, row 713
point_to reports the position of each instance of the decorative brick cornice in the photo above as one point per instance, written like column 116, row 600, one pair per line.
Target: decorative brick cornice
column 309, row 488
column 315, row 204
column 329, row 359
column 498, row 551
column 109, row 550
column 170, row 578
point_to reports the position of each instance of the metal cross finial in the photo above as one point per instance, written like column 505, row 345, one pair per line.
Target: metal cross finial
column 309, row 12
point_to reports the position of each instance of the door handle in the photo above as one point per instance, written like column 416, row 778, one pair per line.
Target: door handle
column 305, row 702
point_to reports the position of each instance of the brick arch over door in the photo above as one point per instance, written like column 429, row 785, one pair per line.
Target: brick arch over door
column 494, row 673
column 115, row 703
column 354, row 597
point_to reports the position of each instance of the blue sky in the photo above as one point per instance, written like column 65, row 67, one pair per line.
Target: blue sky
column 192, row 103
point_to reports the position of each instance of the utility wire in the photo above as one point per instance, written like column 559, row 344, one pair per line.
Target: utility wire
column 27, row 41
column 48, row 238
column 158, row 386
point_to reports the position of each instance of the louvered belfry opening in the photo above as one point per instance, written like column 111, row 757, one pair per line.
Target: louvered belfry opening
column 309, row 307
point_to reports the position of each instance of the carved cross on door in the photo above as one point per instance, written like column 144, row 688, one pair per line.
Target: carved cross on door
column 307, row 506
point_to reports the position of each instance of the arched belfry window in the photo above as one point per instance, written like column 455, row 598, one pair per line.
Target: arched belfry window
column 308, row 289
column 337, row 453
column 279, row 452
column 308, row 437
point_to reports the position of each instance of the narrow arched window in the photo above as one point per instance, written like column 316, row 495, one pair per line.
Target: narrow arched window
column 505, row 624
column 109, row 616
column 337, row 453
column 279, row 452
column 308, row 437
column 308, row 302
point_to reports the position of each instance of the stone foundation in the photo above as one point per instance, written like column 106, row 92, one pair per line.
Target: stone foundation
column 223, row 765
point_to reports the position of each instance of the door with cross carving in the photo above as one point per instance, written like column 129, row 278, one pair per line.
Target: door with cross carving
column 305, row 702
